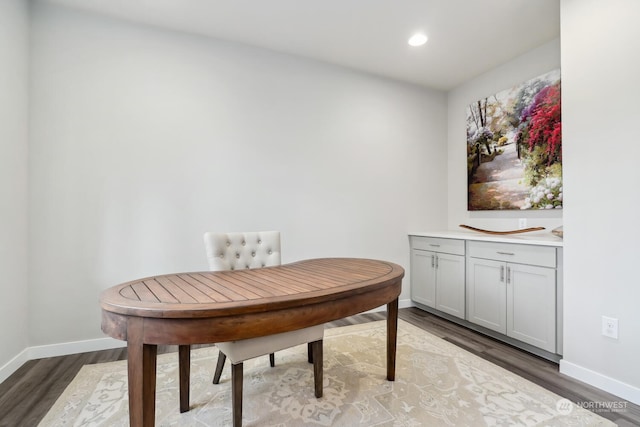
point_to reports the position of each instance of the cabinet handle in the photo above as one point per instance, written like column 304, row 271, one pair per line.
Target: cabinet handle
column 436, row 261
column 505, row 253
column 508, row 274
column 434, row 245
column 433, row 264
column 502, row 273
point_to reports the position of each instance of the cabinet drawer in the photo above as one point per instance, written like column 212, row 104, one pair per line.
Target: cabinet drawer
column 449, row 246
column 522, row 254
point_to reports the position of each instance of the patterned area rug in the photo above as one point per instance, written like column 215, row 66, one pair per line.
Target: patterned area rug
column 437, row 384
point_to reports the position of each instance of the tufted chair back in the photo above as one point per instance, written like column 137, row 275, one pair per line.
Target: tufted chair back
column 237, row 251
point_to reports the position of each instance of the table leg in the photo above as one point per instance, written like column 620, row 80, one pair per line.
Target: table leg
column 392, row 335
column 141, row 364
column 317, row 351
column 184, row 368
column 236, row 393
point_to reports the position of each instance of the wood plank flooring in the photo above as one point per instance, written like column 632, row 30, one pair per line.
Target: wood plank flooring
column 27, row 395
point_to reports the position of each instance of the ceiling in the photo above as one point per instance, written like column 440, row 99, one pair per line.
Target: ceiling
column 466, row 37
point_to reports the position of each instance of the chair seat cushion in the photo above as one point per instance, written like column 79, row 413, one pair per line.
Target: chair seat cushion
column 241, row 350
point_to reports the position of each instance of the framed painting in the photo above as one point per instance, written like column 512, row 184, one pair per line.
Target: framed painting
column 514, row 147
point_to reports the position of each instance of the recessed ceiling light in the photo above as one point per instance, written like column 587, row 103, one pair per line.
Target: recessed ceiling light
column 417, row 39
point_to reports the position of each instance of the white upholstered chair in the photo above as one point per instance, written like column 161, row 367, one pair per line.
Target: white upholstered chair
column 237, row 251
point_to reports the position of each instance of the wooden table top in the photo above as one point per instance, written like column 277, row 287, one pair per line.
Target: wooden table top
column 213, row 294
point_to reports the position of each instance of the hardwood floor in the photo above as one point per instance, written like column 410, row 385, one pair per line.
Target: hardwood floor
column 27, row 395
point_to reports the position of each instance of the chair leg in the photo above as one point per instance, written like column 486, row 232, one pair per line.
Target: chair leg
column 317, row 366
column 309, row 352
column 272, row 359
column 221, row 359
column 236, row 393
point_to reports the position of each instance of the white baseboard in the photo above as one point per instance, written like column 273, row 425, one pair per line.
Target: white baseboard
column 13, row 365
column 63, row 349
column 403, row 303
column 53, row 350
column 603, row 382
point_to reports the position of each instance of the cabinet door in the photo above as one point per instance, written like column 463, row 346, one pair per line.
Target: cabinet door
column 450, row 284
column 487, row 294
column 531, row 305
column 423, row 276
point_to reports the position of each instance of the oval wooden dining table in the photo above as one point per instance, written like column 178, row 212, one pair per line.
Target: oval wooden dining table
column 210, row 307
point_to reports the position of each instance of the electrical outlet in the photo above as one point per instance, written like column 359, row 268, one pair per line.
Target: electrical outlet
column 522, row 223
column 610, row 327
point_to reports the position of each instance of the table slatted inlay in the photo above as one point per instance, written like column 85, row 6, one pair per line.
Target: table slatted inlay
column 198, row 288
column 260, row 286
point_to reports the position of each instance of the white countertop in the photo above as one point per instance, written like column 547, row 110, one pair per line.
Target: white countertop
column 540, row 238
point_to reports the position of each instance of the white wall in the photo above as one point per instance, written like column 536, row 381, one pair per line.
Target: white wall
column 14, row 54
column 532, row 64
column 143, row 139
column 600, row 108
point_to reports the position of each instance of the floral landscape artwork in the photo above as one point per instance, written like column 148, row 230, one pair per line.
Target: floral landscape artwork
column 514, row 147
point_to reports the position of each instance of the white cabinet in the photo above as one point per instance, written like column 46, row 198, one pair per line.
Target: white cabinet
column 487, row 294
column 511, row 289
column 507, row 287
column 450, row 284
column 423, row 277
column 437, row 274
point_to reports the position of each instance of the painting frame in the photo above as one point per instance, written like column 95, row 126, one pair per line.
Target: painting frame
column 514, row 147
